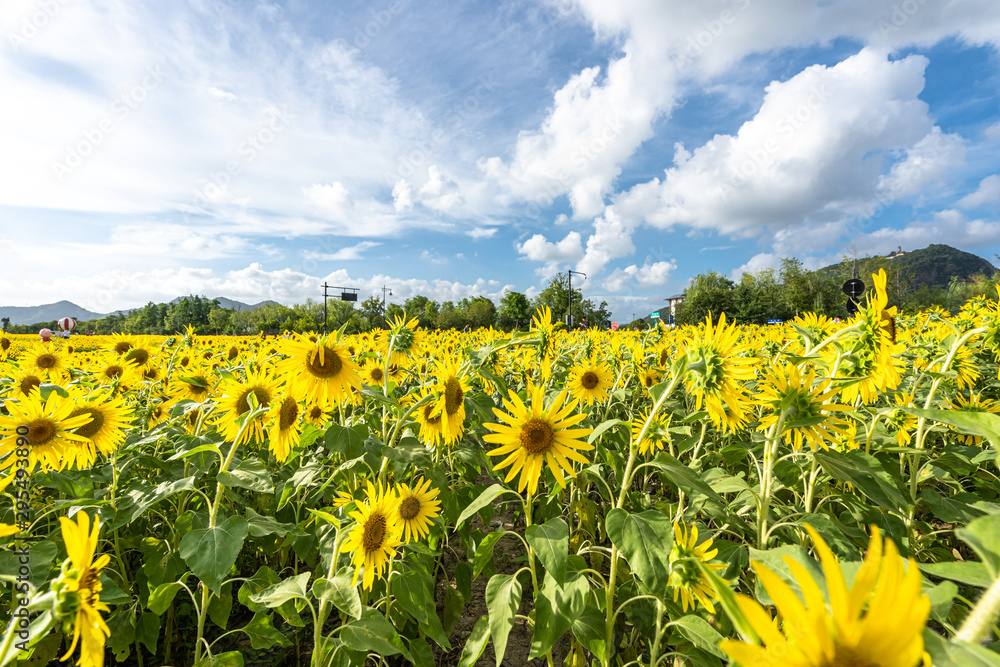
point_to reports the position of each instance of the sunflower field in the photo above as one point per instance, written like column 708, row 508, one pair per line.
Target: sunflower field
column 812, row 493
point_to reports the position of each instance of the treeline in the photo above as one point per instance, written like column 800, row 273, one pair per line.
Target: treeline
column 208, row 317
column 791, row 290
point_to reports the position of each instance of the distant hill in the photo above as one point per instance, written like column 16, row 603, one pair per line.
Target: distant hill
column 60, row 309
column 46, row 313
column 933, row 266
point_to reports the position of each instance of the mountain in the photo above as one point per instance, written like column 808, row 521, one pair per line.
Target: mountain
column 232, row 303
column 933, row 266
column 46, row 313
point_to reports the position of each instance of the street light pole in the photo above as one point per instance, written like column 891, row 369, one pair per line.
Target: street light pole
column 569, row 314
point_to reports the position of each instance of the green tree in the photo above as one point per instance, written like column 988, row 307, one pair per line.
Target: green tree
column 372, row 314
column 556, row 296
column 6, row 323
column 709, row 293
column 421, row 308
column 514, row 310
column 481, row 312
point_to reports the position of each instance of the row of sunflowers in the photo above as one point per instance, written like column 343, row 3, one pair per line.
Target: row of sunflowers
column 812, row 493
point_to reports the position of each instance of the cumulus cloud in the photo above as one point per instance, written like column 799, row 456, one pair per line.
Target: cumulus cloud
column 950, row 226
column 987, row 193
column 333, row 200
column 815, row 155
column 645, row 276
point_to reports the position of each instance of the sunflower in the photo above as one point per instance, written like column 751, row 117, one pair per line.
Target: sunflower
column 531, row 437
column 372, row 372
column 902, row 422
column 417, row 506
column 283, row 426
column 195, row 384
column 141, row 355
column 375, row 536
column 805, row 403
column 48, row 429
column 114, row 371
column 24, row 382
column 715, row 357
column 320, row 371
column 686, row 577
column 79, row 588
column 402, row 336
column 452, row 386
column 314, row 414
column 590, row 382
column 109, row 419
column 235, row 402
column 158, row 409
column 6, row 345
column 888, row 634
column 45, row 361
column 429, row 419
column 119, row 344
column 657, row 435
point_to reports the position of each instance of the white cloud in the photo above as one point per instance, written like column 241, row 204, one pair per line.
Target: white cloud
column 812, row 158
column 645, row 276
column 987, row 193
column 759, row 262
column 344, row 254
column 439, row 192
column 333, row 200
column 402, row 195
column 539, row 249
column 993, row 131
column 950, row 227
column 478, row 233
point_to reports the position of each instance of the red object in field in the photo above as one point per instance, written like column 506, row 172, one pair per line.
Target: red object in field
column 614, row 326
column 45, row 335
column 66, row 324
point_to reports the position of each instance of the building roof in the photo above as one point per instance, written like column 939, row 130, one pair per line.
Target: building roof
column 674, row 297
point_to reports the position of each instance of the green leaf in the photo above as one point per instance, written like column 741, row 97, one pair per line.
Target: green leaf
column 249, row 474
column 340, row 593
column 550, row 541
column 147, row 630
column 484, row 552
column 645, row 539
column 984, row 424
column 697, row 631
column 969, row 573
column 604, row 426
column 262, row 632
column 373, row 633
column 475, row 644
column 983, row 535
column 263, row 578
column 211, row 552
column 412, row 595
column 162, row 596
column 867, row 475
column 220, row 607
column 289, row 589
column 348, row 442
column 685, row 478
column 503, row 597
column 261, row 525
column 454, row 604
column 589, row 628
column 727, row 600
column 141, row 497
column 484, row 499
column 555, row 608
column 227, row 659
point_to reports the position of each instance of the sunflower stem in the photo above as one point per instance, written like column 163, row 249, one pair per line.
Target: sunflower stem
column 770, row 452
column 978, row 624
column 654, row 651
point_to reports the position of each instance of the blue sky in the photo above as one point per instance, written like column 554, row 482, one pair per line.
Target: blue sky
column 254, row 150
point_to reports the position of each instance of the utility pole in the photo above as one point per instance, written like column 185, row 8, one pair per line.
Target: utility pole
column 569, row 313
column 384, row 290
column 346, row 294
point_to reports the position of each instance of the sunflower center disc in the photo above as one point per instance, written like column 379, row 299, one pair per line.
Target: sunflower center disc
column 409, row 508
column 845, row 657
column 29, row 383
column 374, row 532
column 113, row 372
column 537, row 436
column 4, row 344
column 376, row 374
column 40, row 432
column 288, row 414
column 95, row 425
column 196, row 389
column 263, row 398
column 330, row 365
column 453, row 395
column 45, row 361
column 315, row 413
column 138, row 356
column 122, row 347
column 589, row 380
